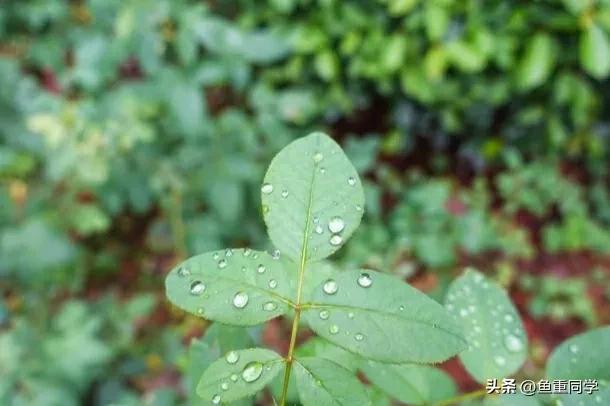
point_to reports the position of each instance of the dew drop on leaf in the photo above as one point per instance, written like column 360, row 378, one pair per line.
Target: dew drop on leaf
column 365, row 280
column 273, row 284
column 284, row 193
column 317, row 157
column 261, row 268
column 359, row 337
column 224, row 386
column 197, row 288
column 267, row 188
column 336, row 239
column 232, row 357
column 330, row 287
column 463, row 312
column 216, row 399
column 508, row 318
column 276, row 254
column 319, row 229
column 333, row 329
column 269, row 306
column 228, row 252
column 183, row 271
column 247, row 252
column 265, row 209
column 500, row 360
column 573, row 348
column 234, row 377
column 351, row 181
column 350, row 315
column 322, row 170
column 336, row 224
column 216, row 256
column 222, row 264
column 401, row 307
column 324, row 314
column 240, row 300
column 252, row 371
column 358, row 207
column 513, row 343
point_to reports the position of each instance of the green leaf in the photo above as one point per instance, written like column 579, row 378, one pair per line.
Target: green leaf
column 387, row 321
column 239, row 374
column 497, row 341
column 537, row 62
column 240, row 286
column 410, row 383
column 320, row 348
column 310, row 188
column 580, row 357
column 322, row 382
column 595, row 52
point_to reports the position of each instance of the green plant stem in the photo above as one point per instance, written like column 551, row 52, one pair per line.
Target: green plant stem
column 297, row 307
column 461, row 398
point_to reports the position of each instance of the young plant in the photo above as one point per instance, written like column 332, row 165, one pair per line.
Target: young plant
column 367, row 321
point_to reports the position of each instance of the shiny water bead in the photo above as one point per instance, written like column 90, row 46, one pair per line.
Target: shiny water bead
column 228, row 252
column 276, row 254
column 222, row 264
column 333, row 329
column 351, row 181
column 273, row 284
column 216, row 399
column 267, row 188
column 324, row 314
column 183, row 271
column 335, row 240
column 359, row 337
column 269, row 306
column 284, row 193
column 365, row 280
column 197, row 288
column 318, row 229
column 500, row 360
column 513, row 343
column 317, row 157
column 234, row 377
column 252, row 371
column 336, row 224
column 232, row 357
column 261, row 268
column 247, row 252
column 240, row 300
column 224, row 386
column 330, row 287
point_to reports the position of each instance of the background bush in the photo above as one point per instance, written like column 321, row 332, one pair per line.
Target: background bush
column 137, row 132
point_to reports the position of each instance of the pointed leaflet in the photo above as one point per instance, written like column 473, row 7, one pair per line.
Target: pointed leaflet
column 580, row 358
column 380, row 317
column 239, row 374
column 322, row 382
column 595, row 52
column 312, row 198
column 410, row 383
column 239, row 286
column 497, row 341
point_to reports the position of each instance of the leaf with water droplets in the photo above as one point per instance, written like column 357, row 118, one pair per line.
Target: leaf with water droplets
column 239, row 374
column 584, row 356
column 394, row 321
column 410, row 383
column 497, row 343
column 324, row 382
column 238, row 287
column 297, row 190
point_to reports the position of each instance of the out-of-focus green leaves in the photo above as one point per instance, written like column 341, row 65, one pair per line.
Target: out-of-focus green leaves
column 595, row 51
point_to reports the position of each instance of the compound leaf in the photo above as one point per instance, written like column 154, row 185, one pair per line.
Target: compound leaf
column 382, row 318
column 495, row 335
column 312, row 198
column 410, row 383
column 239, row 374
column 322, row 382
column 237, row 286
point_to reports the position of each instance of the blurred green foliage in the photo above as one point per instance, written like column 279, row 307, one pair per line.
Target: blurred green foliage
column 136, row 132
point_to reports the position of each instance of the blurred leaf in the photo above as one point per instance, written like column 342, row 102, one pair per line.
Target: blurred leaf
column 595, row 52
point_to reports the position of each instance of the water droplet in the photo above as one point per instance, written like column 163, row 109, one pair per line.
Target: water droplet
column 200, row 310
column 261, row 268
column 228, row 252
column 500, row 360
column 322, row 170
column 358, row 207
column 234, row 377
column 351, row 181
column 513, row 343
column 276, row 254
column 183, row 272
column 247, row 252
column 197, row 288
column 316, row 219
column 267, row 188
column 350, row 315
column 252, row 371
column 450, row 307
column 333, row 329
column 216, row 399
column 273, row 284
column 319, row 229
column 336, row 239
column 243, row 269
column 284, row 193
column 222, row 264
column 240, row 300
column 232, row 357
column 463, row 312
column 573, row 348
column 359, row 337
column 224, row 386
column 336, row 224
column 255, row 255
column 317, row 157
column 330, row 287
column 270, row 306
column 508, row 318
column 324, row 314
column 216, row 256
column 365, row 280
column 401, row 307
